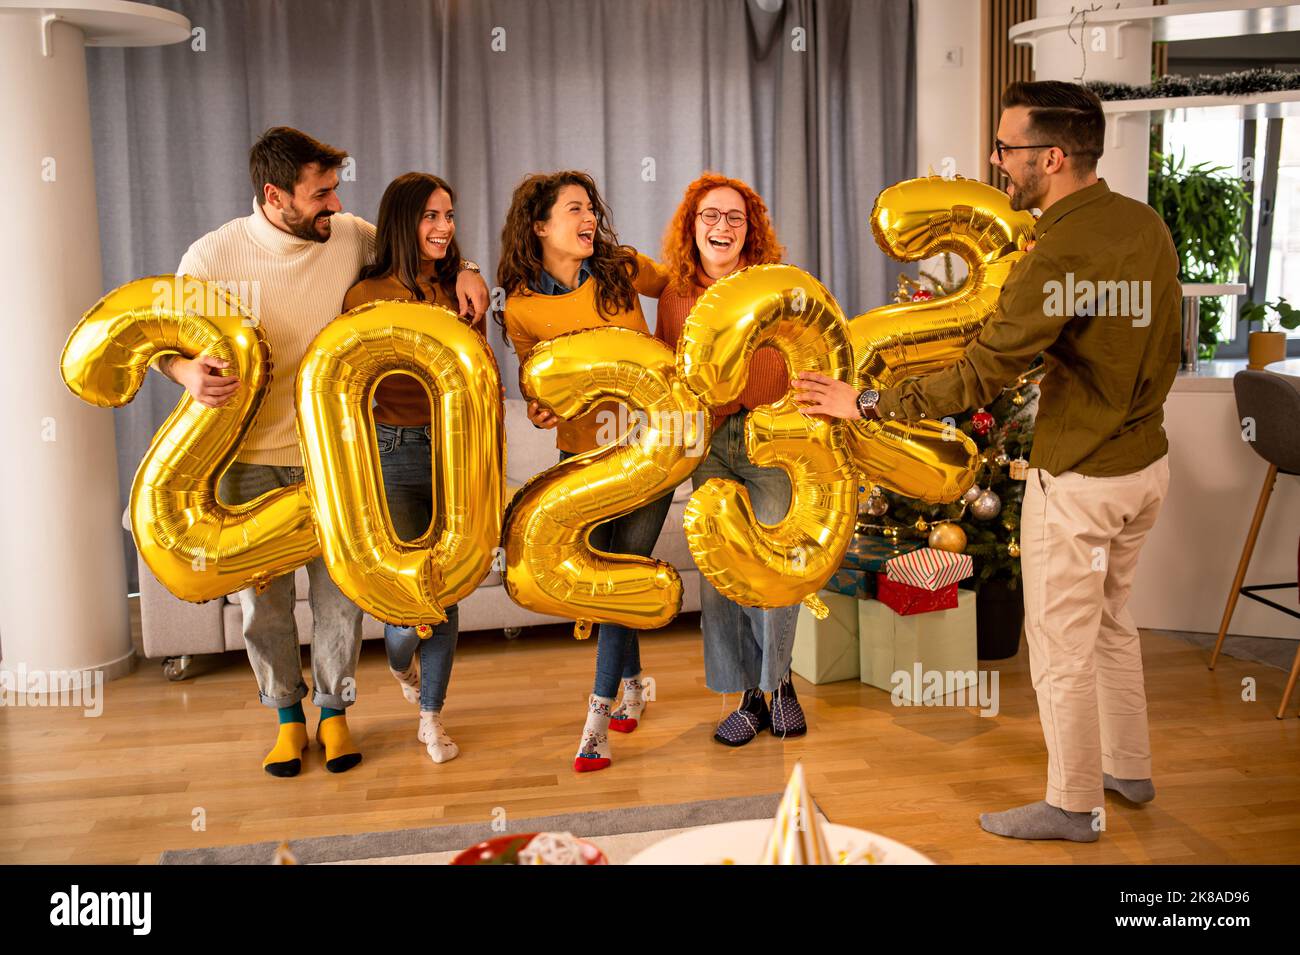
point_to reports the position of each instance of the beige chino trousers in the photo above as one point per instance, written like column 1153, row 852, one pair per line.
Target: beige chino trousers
column 1080, row 540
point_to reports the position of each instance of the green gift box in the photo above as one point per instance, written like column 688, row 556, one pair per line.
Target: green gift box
column 827, row 650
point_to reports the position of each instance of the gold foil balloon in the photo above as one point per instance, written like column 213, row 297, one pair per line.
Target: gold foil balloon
column 197, row 547
column 550, row 566
column 403, row 583
column 756, row 564
column 914, row 220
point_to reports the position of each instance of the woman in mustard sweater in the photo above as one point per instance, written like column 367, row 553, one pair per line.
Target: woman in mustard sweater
column 720, row 227
column 416, row 258
column 563, row 270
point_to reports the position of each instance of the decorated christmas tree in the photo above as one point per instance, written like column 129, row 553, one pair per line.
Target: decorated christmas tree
column 985, row 523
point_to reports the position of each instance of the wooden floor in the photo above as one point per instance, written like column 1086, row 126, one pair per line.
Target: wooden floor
column 127, row 785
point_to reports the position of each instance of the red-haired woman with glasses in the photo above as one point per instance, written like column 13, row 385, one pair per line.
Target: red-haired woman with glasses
column 720, row 227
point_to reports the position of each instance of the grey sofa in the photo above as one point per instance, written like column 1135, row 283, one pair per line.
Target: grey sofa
column 176, row 630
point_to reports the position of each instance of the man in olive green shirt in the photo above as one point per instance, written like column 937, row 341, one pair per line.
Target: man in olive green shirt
column 1098, row 295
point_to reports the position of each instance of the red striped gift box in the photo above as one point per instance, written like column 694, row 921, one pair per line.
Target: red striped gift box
column 928, row 568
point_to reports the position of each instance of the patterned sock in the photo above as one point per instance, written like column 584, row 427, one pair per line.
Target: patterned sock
column 341, row 754
column 628, row 715
column 409, row 679
column 437, row 742
column 593, row 752
column 285, row 758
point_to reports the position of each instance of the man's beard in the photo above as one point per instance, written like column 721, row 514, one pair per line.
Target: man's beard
column 305, row 228
column 1027, row 194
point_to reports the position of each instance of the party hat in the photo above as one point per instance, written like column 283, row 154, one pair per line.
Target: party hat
column 797, row 837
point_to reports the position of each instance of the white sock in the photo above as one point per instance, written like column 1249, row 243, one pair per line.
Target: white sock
column 409, row 680
column 633, row 703
column 595, row 732
column 435, row 738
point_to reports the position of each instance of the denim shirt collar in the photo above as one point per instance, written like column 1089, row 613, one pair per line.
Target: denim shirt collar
column 547, row 284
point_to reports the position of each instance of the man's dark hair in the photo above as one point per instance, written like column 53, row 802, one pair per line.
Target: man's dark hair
column 279, row 155
column 1065, row 115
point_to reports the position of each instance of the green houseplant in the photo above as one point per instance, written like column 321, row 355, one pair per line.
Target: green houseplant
column 1269, row 343
column 1205, row 208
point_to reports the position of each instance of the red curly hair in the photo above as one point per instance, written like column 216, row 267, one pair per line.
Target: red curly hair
column 681, row 257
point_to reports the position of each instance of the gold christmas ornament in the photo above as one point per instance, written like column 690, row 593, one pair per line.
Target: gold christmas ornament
column 1013, row 548
column 948, row 536
column 1017, row 399
column 921, row 525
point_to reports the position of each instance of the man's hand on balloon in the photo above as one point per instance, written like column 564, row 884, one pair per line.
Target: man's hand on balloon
column 202, row 378
column 821, row 394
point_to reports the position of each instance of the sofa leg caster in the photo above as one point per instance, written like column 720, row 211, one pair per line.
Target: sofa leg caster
column 177, row 668
column 512, row 633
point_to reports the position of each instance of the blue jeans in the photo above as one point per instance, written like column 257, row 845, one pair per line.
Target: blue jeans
column 618, row 652
column 406, row 460
column 744, row 647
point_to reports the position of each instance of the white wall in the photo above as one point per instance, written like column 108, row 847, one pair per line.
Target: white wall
column 948, row 96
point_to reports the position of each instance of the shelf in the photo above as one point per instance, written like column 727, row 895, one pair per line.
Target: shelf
column 107, row 22
column 1272, row 105
column 1179, row 21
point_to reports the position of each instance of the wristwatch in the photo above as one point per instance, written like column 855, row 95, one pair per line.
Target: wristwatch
column 867, row 399
column 467, row 265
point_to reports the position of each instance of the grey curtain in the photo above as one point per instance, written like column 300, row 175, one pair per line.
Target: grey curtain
column 811, row 101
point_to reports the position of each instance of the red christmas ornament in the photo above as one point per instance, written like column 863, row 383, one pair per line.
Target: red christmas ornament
column 922, row 295
column 981, row 421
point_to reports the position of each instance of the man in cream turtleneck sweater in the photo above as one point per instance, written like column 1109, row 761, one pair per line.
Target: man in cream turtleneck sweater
column 296, row 256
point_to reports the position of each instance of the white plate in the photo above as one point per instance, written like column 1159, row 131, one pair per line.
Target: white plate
column 742, row 843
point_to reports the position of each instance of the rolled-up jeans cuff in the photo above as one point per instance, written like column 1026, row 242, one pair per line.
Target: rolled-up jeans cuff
column 332, row 700
column 289, row 699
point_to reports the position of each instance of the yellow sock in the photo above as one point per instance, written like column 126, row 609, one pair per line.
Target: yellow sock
column 341, row 754
column 285, row 758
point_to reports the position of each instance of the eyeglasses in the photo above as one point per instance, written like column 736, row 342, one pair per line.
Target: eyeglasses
column 734, row 218
column 1002, row 147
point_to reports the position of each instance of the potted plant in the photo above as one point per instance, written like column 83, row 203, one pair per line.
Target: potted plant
column 1206, row 209
column 1268, row 344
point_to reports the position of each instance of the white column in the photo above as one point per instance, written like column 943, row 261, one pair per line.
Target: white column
column 1117, row 51
column 62, row 580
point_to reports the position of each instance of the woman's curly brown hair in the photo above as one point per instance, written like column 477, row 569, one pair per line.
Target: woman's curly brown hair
column 682, row 258
column 612, row 265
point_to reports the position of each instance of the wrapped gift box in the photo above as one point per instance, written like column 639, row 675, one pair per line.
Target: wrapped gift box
column 928, row 568
column 942, row 642
column 906, row 600
column 827, row 650
column 871, row 553
column 858, row 584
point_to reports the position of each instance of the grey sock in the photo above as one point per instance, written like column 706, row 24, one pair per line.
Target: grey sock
column 1134, row 790
column 1039, row 820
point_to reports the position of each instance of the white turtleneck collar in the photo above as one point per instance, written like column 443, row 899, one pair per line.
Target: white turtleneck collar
column 272, row 238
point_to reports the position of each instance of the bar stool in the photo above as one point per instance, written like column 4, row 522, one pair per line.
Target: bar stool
column 1273, row 402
